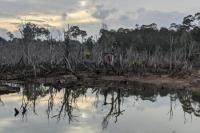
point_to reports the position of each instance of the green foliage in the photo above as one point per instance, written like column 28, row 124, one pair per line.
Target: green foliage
column 74, row 32
column 30, row 32
column 149, row 37
column 89, row 43
column 10, row 35
column 196, row 34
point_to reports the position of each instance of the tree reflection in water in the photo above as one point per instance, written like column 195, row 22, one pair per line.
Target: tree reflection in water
column 115, row 105
column 68, row 103
column 1, row 102
column 173, row 98
column 112, row 99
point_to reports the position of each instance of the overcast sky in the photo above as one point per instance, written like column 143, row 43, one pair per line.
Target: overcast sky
column 89, row 14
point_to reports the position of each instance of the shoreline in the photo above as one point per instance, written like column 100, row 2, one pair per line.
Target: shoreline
column 189, row 83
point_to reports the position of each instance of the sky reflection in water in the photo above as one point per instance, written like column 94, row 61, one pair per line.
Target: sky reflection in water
column 96, row 110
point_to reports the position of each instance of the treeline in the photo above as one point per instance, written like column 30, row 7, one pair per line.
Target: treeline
column 145, row 48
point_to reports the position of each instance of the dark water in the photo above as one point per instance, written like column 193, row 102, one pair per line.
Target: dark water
column 79, row 109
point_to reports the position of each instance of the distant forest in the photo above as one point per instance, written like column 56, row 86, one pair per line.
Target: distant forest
column 146, row 48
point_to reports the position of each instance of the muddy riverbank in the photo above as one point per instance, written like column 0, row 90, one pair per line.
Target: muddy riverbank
column 190, row 82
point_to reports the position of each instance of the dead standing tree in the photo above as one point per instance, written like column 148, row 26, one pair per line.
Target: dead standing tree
column 68, row 67
column 72, row 33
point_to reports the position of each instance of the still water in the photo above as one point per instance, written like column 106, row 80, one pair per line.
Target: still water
column 86, row 109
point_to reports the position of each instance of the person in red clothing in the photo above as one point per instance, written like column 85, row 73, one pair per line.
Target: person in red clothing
column 108, row 59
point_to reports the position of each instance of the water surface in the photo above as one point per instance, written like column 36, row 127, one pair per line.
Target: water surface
column 78, row 109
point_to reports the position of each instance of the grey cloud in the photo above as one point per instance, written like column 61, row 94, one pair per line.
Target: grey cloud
column 127, row 16
column 102, row 13
column 116, row 13
column 124, row 18
column 161, row 18
column 35, row 20
column 143, row 16
column 19, row 7
column 64, row 16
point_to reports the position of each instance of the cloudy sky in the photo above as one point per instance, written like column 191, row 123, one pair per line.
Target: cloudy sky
column 89, row 14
